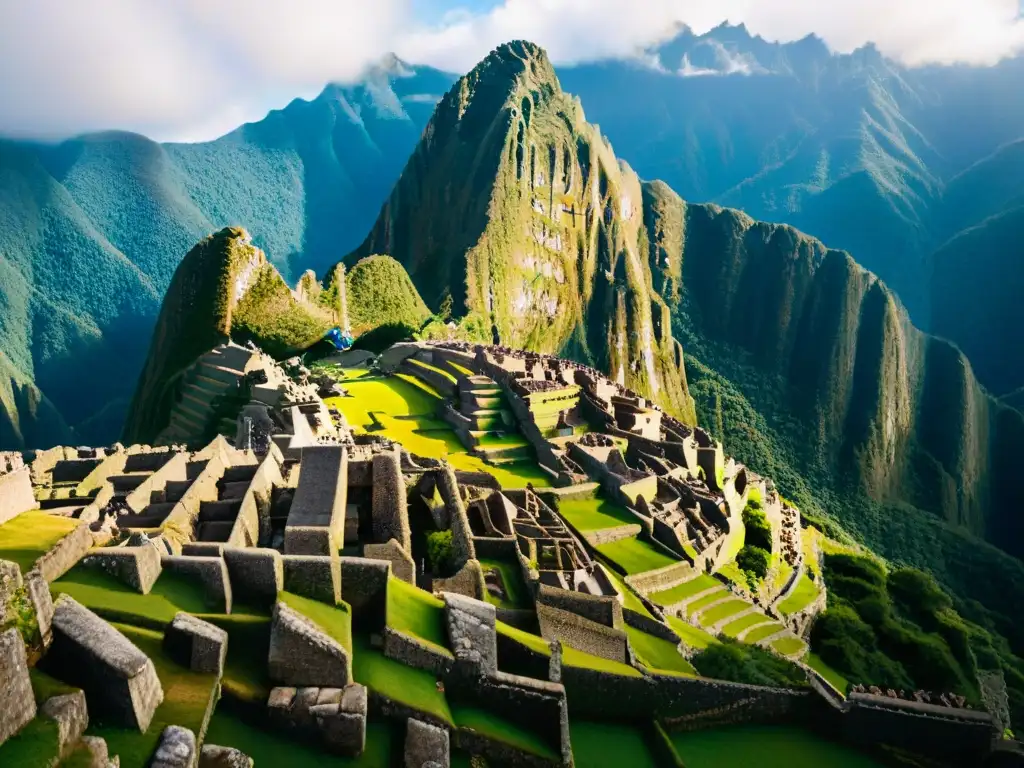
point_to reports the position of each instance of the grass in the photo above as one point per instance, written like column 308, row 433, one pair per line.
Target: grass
column 788, row 646
column 635, row 556
column 186, row 698
column 629, row 599
column 735, row 543
column 686, row 590
column 31, row 535
column 657, row 653
column 510, row 440
column 336, row 621
column 460, row 368
column 839, row 682
column 594, row 514
column 573, row 658
column 692, row 636
column 732, row 572
column 417, row 613
column 609, row 745
column 415, row 688
column 392, row 395
column 428, row 367
column 115, row 601
column 45, row 687
column 756, row 635
column 712, row 616
column 802, row 596
column 734, row 628
column 516, row 595
column 500, row 729
column 245, row 671
column 531, row 641
column 274, row 748
column 35, row 744
column 703, row 602
column 765, row 746
column 782, row 574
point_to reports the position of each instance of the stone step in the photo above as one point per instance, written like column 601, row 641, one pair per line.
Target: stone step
column 186, row 423
column 726, row 597
column 126, row 483
column 219, row 511
column 239, row 472
column 661, row 579
column 211, row 371
column 229, row 356
column 198, row 399
column 175, row 489
column 197, row 411
column 729, row 619
column 233, row 490
column 216, row 530
column 73, row 470
column 147, row 462
column 194, row 468
column 205, row 383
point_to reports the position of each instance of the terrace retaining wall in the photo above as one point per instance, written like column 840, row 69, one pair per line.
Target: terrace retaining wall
column 65, row 554
column 16, row 494
column 414, row 652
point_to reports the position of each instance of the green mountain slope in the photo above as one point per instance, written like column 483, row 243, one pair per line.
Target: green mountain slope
column 517, row 207
column 379, row 292
column 92, row 229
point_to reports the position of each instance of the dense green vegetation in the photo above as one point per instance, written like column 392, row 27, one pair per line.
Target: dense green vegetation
column 381, row 293
column 731, row 660
column 439, row 552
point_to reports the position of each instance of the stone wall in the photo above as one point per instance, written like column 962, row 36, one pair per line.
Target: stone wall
column 414, row 652
column 17, row 704
column 444, row 386
column 302, row 654
column 515, row 657
column 16, row 494
column 650, row 626
column 180, row 521
column 582, row 634
column 390, row 515
column 402, row 565
column 463, row 549
column 252, row 525
column 316, row 520
column 318, row 578
column 257, row 575
column 65, row 554
column 174, row 469
column 469, row 581
column 606, row 610
column 136, row 567
column 211, row 572
column 609, row 535
column 364, row 585
column 495, row 549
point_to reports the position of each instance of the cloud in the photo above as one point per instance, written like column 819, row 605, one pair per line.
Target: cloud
column 726, row 63
column 912, row 31
column 177, row 68
column 191, row 69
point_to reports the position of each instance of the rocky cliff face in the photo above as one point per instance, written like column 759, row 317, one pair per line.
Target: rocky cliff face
column 518, row 207
column 875, row 402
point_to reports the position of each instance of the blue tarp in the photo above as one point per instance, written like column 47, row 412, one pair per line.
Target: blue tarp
column 341, row 340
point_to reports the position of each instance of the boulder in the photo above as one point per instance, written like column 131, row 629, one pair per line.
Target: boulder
column 426, row 745
column 472, row 633
column 137, row 567
column 302, row 654
column 196, row 644
column 214, row 756
column 177, row 749
column 119, row 680
column 17, row 704
column 71, row 715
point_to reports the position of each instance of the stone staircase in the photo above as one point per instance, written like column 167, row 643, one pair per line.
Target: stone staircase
column 217, row 518
column 138, row 469
column 214, row 374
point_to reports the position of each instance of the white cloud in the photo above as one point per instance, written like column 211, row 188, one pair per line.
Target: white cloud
column 912, row 31
column 194, row 68
column 726, row 63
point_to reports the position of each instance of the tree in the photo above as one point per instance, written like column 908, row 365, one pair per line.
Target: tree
column 445, row 310
column 439, row 551
column 754, row 559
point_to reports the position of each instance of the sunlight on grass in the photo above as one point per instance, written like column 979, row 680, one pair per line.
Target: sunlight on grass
column 635, row 556
column 31, row 535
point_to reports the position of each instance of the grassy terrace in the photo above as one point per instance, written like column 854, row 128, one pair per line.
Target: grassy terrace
column 788, row 646
column 594, row 514
column 31, row 535
column 516, row 594
column 691, row 635
column 404, row 409
column 759, row 634
column 765, row 747
column 609, row 745
column 412, row 687
column 839, row 682
column 414, row 612
column 802, row 596
column 35, row 744
column 657, row 653
column 500, row 729
column 187, row 696
column 712, row 616
column 277, row 749
column 629, row 598
column 434, row 369
column 698, row 605
column 734, row 628
column 635, row 556
column 570, row 656
column 686, row 590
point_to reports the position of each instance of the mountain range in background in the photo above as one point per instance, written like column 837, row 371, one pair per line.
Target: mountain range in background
column 911, row 170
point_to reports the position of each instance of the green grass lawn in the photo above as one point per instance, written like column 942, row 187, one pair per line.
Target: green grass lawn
column 609, row 745
column 336, row 621
column 31, row 535
column 186, row 697
column 764, row 746
column 274, row 748
column 732, row 572
column 573, row 658
column 756, row 635
column 516, row 594
column 531, row 641
column 501, row 729
column 657, row 653
column 788, row 646
column 594, row 514
column 245, row 671
column 733, row 628
column 635, row 556
column 840, row 683
column 439, row 371
column 691, row 635
column 712, row 616
column 416, row 688
column 782, row 574
column 698, row 605
column 686, row 590
column 116, row 601
column 400, row 408
column 35, row 744
column 417, row 613
column 629, row 598
column 801, row 597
